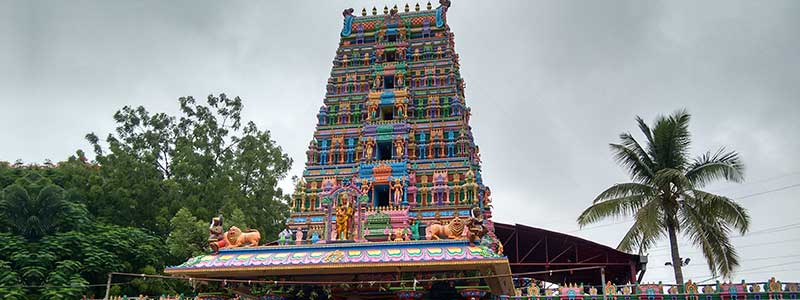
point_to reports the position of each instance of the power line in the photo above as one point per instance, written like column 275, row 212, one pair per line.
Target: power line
column 600, row 226
column 286, row 282
column 63, row 286
column 774, row 229
column 753, row 245
column 770, row 230
column 738, row 187
column 760, row 269
column 768, row 191
column 754, row 269
column 749, row 259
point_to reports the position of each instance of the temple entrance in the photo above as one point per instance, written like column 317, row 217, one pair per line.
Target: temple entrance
column 442, row 291
column 387, row 114
column 381, row 195
column 384, row 150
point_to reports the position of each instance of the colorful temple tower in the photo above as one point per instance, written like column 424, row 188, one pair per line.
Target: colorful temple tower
column 393, row 134
column 392, row 204
column 392, row 191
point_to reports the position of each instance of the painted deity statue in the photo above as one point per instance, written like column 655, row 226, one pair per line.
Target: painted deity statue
column 344, row 215
column 365, row 186
column 414, row 227
column 370, row 149
column 400, row 80
column 397, row 191
column 298, row 237
column 216, row 235
column 400, row 234
column 398, row 147
column 314, row 237
column 372, row 110
column 285, row 236
column 376, row 84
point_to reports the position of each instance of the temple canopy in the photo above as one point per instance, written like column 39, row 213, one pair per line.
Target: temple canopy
column 531, row 249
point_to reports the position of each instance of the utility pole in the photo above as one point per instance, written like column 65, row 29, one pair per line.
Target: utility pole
column 603, row 281
column 108, row 287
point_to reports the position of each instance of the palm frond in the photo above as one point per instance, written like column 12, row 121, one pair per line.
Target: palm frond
column 721, row 165
column 645, row 231
column 645, row 129
column 624, row 190
column 630, row 142
column 705, row 231
column 671, row 140
column 724, row 208
column 629, row 159
column 622, row 206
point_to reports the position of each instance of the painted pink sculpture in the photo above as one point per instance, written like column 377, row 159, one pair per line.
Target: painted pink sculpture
column 298, row 237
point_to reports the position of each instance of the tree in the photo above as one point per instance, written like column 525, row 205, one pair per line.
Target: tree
column 665, row 196
column 33, row 207
column 10, row 284
column 238, row 219
column 205, row 159
column 50, row 239
column 188, row 237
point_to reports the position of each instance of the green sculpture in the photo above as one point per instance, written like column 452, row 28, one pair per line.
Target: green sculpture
column 414, row 226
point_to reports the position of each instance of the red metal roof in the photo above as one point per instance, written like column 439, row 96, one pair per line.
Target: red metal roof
column 531, row 249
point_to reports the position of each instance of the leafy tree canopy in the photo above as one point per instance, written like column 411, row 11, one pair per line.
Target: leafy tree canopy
column 144, row 203
column 50, row 240
column 206, row 159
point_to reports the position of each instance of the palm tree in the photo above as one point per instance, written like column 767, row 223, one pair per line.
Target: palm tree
column 665, row 196
column 34, row 207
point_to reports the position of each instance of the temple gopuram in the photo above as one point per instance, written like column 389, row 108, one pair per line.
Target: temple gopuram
column 392, row 203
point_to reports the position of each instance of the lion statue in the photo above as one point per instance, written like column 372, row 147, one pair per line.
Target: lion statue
column 453, row 230
column 237, row 238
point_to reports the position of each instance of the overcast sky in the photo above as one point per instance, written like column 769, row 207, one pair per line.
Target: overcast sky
column 550, row 84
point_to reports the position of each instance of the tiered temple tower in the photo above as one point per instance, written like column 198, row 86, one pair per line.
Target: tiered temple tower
column 392, row 191
column 393, row 131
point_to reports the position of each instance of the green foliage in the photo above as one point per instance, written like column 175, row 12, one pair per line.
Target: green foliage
column 64, row 250
column 206, row 160
column 238, row 219
column 34, row 207
column 666, row 196
column 10, row 284
column 188, row 237
column 65, row 282
column 144, row 203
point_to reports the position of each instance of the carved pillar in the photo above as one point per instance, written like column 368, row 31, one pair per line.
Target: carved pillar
column 464, row 193
column 405, row 195
column 360, row 234
column 328, row 221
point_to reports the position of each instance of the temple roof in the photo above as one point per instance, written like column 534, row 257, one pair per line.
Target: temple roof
column 340, row 258
column 349, row 258
column 531, row 249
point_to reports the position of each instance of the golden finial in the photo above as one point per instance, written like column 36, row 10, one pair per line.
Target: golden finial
column 385, row 9
column 416, row 7
column 374, row 11
column 407, row 8
column 364, row 11
column 429, row 5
